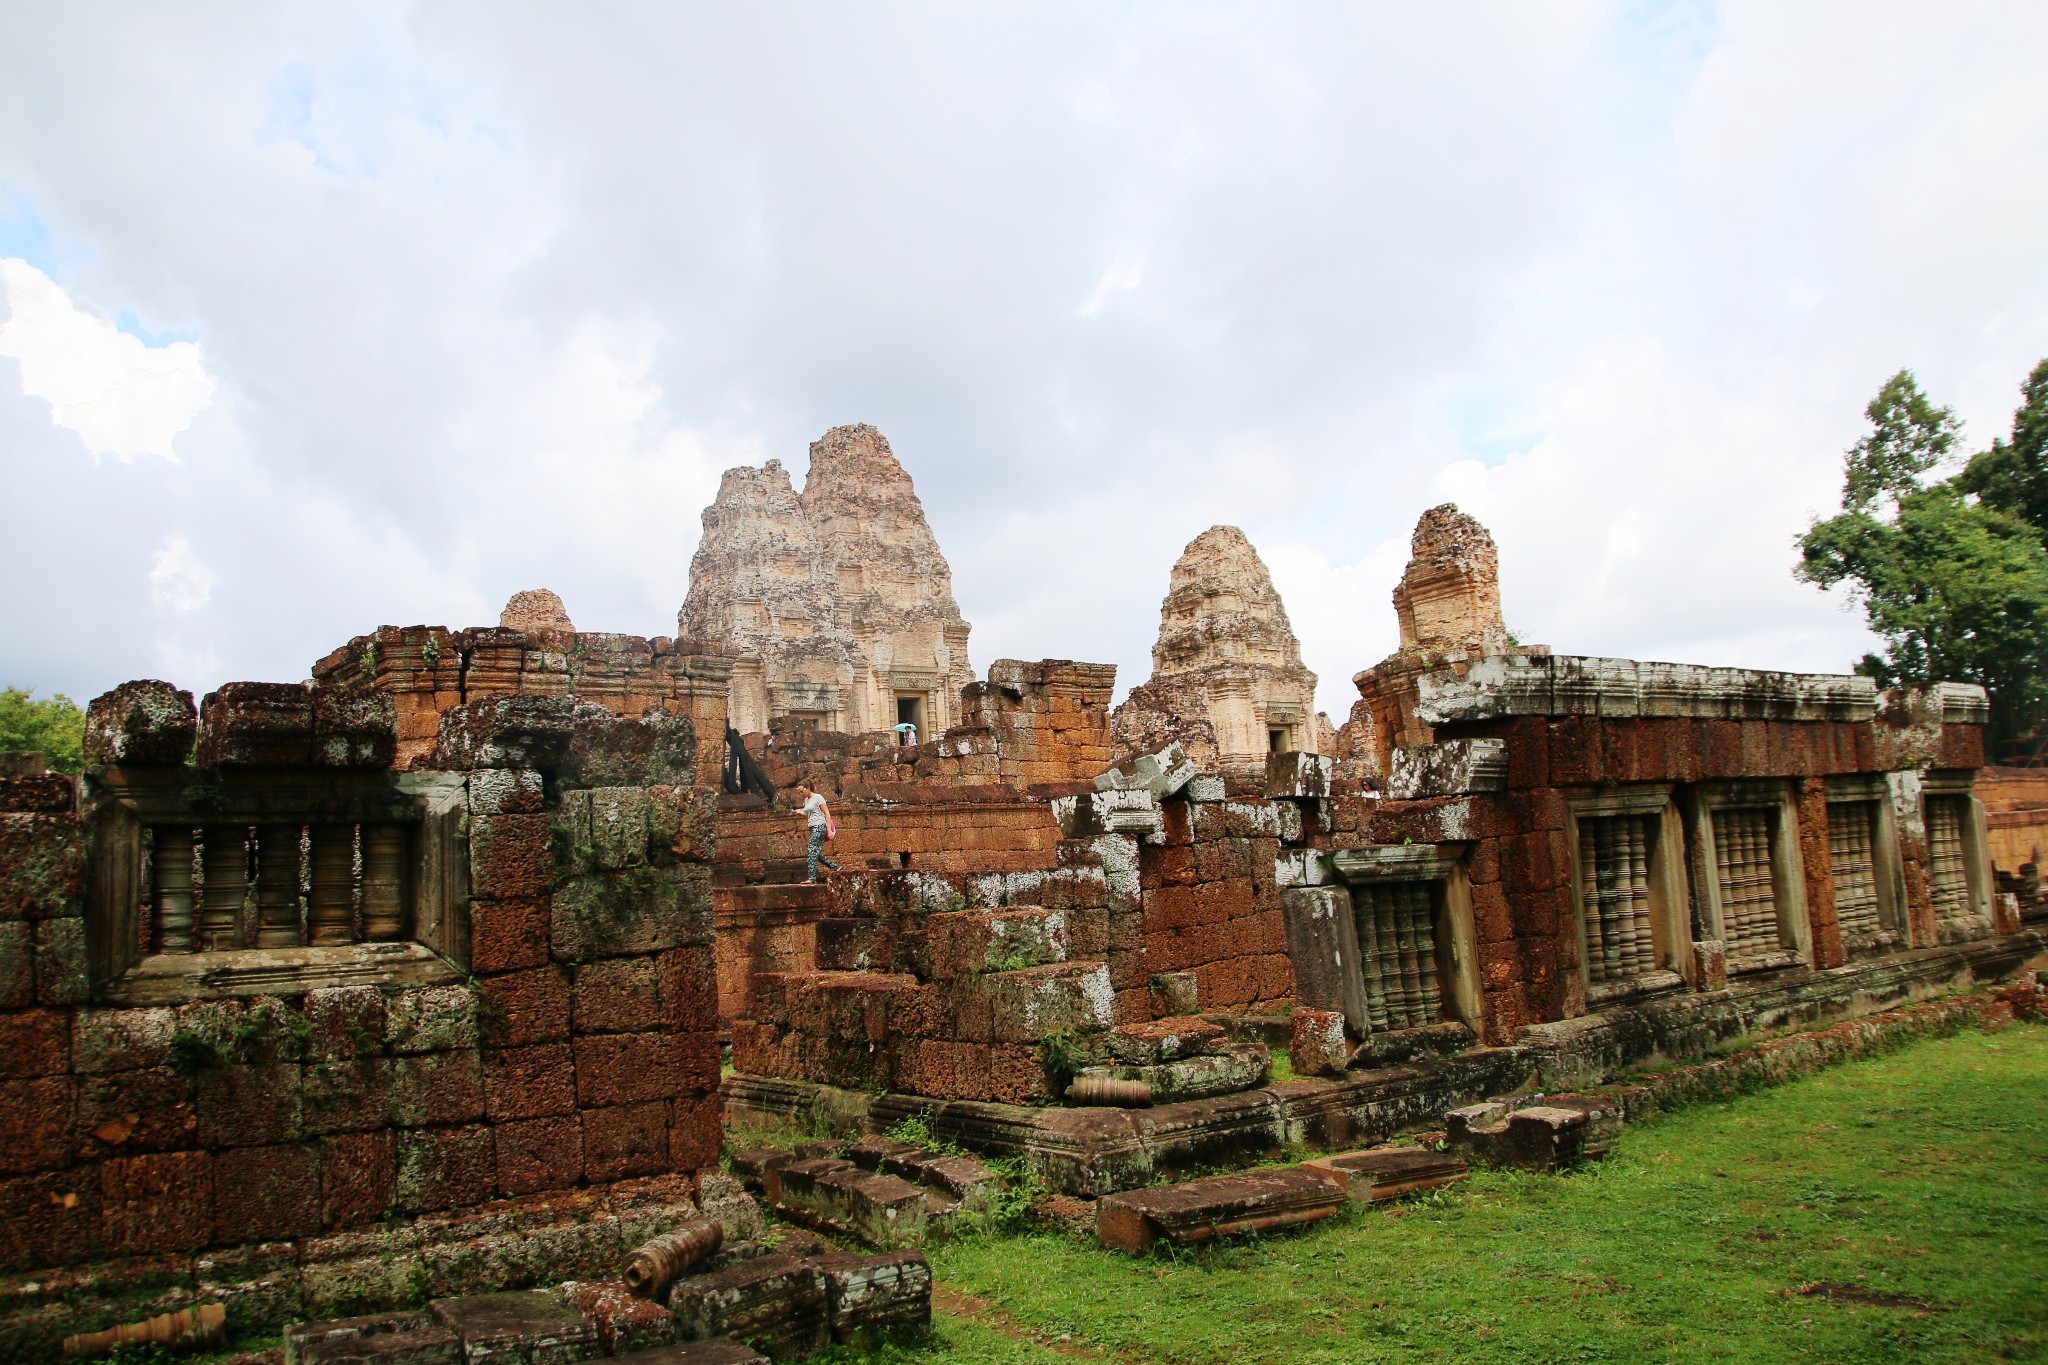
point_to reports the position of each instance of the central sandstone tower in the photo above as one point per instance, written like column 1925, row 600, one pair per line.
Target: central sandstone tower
column 1227, row 678
column 837, row 601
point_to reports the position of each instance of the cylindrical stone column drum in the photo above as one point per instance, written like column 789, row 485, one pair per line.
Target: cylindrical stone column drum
column 225, row 864
column 383, row 882
column 331, row 903
column 171, row 873
column 277, row 887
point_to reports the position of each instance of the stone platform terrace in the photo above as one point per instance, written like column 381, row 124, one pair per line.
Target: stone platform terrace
column 1096, row 1151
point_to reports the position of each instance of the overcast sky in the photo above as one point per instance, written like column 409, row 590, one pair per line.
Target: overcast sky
column 317, row 318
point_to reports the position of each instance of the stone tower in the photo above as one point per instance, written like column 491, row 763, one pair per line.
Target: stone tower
column 894, row 582
column 1449, row 597
column 1448, row 605
column 837, row 602
column 1227, row 677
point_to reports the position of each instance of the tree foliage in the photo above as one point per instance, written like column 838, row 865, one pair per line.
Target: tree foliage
column 54, row 725
column 1908, row 437
column 2013, row 476
column 1953, row 573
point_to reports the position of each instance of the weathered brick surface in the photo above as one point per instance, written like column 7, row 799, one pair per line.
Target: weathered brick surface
column 528, row 1082
column 507, row 933
column 620, row 995
column 157, row 1203
column 266, row 1193
column 628, row 1140
column 540, row 1154
column 527, row 1007
column 356, row 1175
column 234, row 1127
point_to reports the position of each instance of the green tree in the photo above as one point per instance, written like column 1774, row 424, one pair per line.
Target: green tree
column 56, row 726
column 1954, row 581
column 2013, row 477
column 1908, row 437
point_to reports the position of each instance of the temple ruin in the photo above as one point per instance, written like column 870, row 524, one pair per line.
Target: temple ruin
column 387, row 1011
column 1227, row 680
column 836, row 604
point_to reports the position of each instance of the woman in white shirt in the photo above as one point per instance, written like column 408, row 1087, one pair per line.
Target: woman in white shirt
column 821, row 828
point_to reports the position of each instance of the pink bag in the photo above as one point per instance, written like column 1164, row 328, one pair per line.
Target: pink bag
column 831, row 828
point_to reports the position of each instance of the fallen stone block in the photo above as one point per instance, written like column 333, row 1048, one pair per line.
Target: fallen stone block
column 869, row 1153
column 1175, row 994
column 965, row 1178
column 625, row 1322
column 786, row 1241
column 1383, row 1173
column 1163, row 1040
column 1298, row 776
column 1430, row 1040
column 403, row 1338
column 1160, row 774
column 1225, row 1070
column 774, row 1304
column 723, row 1199
column 527, row 1326
column 1454, row 767
column 1202, row 1210
column 1320, row 1044
column 869, row 1297
column 140, row 723
column 751, row 1166
column 1536, row 1133
column 878, row 1210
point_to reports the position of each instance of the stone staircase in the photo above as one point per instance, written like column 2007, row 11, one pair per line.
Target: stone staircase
column 962, row 1004
column 879, row 1192
column 764, row 927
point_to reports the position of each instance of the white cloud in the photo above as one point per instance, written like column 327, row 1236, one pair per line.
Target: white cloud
column 178, row 581
column 122, row 397
column 491, row 293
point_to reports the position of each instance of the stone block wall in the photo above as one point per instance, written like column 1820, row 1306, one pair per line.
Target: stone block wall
column 308, row 1131
column 957, row 985
column 430, row 670
column 1519, row 861
column 1004, row 834
column 2016, row 813
column 1212, row 903
column 1040, row 728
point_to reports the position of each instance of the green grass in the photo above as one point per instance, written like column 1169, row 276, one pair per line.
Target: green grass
column 1921, row 1175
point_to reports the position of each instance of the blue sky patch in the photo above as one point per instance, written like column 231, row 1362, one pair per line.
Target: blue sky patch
column 129, row 323
column 24, row 234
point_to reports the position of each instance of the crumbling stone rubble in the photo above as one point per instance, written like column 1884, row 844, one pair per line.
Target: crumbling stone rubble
column 536, row 610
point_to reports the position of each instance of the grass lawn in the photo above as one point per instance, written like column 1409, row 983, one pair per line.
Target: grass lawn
column 1907, row 1194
